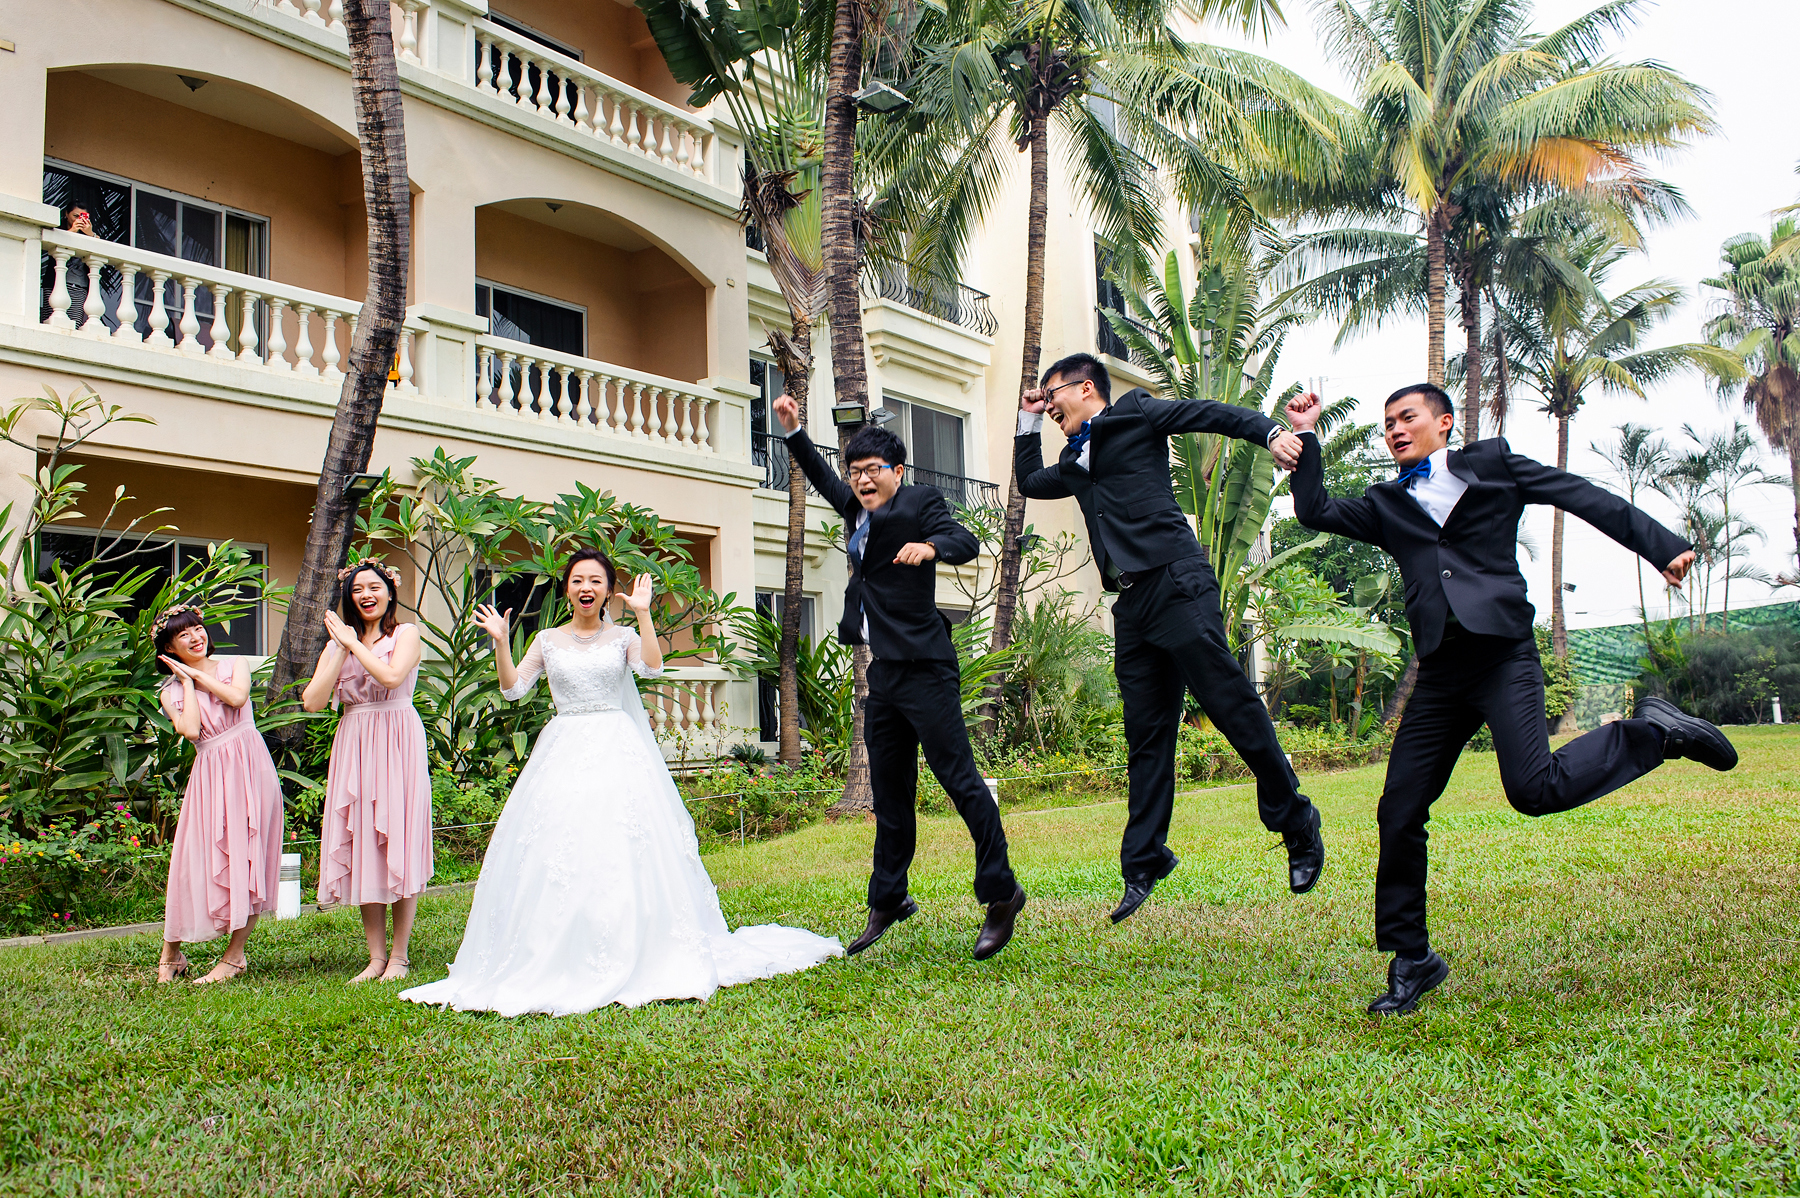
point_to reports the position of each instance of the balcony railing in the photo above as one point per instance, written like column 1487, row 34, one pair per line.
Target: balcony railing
column 771, row 453
column 964, row 492
column 548, row 387
column 934, row 296
column 1113, row 345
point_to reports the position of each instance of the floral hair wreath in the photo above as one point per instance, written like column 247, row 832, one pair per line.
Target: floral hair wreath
column 162, row 621
column 380, row 567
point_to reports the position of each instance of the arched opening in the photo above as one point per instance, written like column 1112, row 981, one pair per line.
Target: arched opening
column 575, row 279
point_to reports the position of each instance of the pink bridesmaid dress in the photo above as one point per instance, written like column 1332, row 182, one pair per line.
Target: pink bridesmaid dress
column 225, row 861
column 376, row 827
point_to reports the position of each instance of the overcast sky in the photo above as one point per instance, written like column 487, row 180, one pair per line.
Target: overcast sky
column 1741, row 52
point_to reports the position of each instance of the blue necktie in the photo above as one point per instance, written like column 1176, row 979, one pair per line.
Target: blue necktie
column 858, row 539
column 1081, row 438
column 1418, row 473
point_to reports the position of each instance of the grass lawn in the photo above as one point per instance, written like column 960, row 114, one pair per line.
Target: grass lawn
column 1620, row 1018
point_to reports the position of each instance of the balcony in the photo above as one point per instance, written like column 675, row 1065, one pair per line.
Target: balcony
column 1113, row 345
column 172, row 319
column 770, row 452
column 962, row 306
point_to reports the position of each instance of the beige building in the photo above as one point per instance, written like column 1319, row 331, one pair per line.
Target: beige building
column 583, row 305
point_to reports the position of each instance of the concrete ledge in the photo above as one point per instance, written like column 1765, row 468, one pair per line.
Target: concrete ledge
column 143, row 929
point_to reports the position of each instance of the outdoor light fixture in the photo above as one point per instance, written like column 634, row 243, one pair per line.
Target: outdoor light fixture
column 882, row 417
column 359, row 486
column 1028, row 541
column 194, row 83
column 882, row 99
column 553, row 206
column 1568, row 586
column 845, row 415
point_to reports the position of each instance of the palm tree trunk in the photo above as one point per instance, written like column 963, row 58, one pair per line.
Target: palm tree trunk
column 1403, row 689
column 1471, row 323
column 798, row 371
column 1559, row 632
column 849, row 359
column 1006, row 601
column 381, row 137
column 1435, row 224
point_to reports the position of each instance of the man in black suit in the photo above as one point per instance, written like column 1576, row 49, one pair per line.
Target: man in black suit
column 1451, row 519
column 915, row 685
column 1168, row 633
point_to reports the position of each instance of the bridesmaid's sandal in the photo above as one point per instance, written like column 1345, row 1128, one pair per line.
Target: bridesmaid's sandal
column 399, row 963
column 235, row 970
column 371, row 973
column 168, row 971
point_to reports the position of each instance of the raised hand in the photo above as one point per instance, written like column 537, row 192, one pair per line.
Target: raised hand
column 338, row 630
column 1676, row 572
column 1035, row 399
column 175, row 667
column 489, row 620
column 638, row 598
column 1303, row 412
column 788, row 412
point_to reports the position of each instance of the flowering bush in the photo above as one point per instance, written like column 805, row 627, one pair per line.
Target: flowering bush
column 69, row 867
column 761, row 802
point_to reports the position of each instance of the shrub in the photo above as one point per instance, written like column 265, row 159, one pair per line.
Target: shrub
column 1727, row 677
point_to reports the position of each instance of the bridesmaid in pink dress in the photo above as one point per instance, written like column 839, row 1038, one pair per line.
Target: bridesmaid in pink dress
column 376, row 827
column 225, row 859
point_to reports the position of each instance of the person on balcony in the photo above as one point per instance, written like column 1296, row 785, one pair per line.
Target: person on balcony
column 592, row 890
column 1451, row 521
column 915, row 685
column 225, row 857
column 1168, row 632
column 375, row 830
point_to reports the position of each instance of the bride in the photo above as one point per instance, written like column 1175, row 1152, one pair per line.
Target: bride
column 592, row 891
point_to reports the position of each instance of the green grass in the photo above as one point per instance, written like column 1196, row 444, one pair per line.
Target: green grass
column 1620, row 1018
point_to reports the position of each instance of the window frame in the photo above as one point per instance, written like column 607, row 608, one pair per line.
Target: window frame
column 536, row 297
column 134, row 186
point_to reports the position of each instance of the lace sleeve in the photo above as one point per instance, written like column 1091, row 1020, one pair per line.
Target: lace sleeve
column 529, row 671
column 634, row 653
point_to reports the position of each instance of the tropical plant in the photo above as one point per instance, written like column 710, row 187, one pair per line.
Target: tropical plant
column 466, row 541
column 1144, row 115
column 1044, row 561
column 1470, row 119
column 1296, row 608
column 1639, row 457
column 1061, row 671
column 1702, row 482
column 1568, row 336
column 374, row 345
column 1758, row 320
column 823, row 677
column 746, row 54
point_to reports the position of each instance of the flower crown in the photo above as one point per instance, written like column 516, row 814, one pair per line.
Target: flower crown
column 162, row 621
column 382, row 568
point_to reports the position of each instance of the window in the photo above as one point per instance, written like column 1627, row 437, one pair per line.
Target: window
column 768, row 694
column 934, row 445
column 162, row 222
column 164, row 557
column 534, row 319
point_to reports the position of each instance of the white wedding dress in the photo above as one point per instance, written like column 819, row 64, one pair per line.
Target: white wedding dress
column 592, row 891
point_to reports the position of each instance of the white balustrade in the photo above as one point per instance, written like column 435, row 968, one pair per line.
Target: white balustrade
column 576, row 97
column 688, row 701
column 613, row 402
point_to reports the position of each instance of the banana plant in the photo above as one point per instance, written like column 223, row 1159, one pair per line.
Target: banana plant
column 1222, row 345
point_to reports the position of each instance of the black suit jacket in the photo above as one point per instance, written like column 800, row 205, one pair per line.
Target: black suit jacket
column 1133, row 521
column 1470, row 566
column 900, row 601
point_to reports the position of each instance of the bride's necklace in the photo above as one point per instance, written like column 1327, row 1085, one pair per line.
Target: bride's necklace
column 589, row 639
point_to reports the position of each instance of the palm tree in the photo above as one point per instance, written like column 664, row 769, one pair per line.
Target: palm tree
column 1128, row 98
column 1572, row 336
column 746, row 55
column 1759, row 320
column 1469, row 116
column 381, row 139
column 1639, row 457
column 1725, row 462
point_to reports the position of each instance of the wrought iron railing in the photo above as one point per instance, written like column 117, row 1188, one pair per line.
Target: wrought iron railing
column 934, row 296
column 771, row 453
column 1113, row 345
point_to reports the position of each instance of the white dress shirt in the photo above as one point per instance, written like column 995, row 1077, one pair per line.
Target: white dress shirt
column 1031, row 422
column 1439, row 493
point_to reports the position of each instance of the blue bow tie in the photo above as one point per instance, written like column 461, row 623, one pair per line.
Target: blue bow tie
column 1081, row 438
column 1418, row 473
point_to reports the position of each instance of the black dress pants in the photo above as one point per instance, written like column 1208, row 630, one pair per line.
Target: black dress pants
column 1498, row 680
column 914, row 705
column 1168, row 637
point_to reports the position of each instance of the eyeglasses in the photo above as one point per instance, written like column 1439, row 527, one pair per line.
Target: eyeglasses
column 868, row 472
column 1049, row 391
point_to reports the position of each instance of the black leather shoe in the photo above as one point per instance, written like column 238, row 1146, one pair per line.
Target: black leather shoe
column 1408, row 982
column 881, row 921
column 1138, row 888
column 1306, row 855
column 1687, row 736
column 997, row 929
